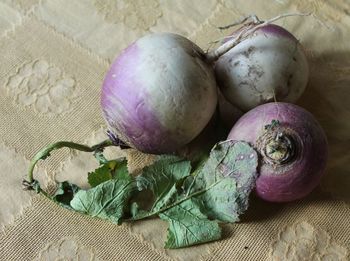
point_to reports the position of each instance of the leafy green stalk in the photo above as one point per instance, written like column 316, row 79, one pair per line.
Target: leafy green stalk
column 193, row 202
column 46, row 152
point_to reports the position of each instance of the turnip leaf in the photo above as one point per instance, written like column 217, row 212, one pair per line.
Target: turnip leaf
column 218, row 190
column 65, row 193
column 160, row 178
column 188, row 226
column 107, row 200
column 109, row 170
column 230, row 171
column 193, row 202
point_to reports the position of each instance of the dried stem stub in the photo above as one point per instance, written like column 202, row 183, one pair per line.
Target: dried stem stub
column 254, row 24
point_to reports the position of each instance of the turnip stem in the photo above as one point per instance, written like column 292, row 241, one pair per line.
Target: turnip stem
column 215, row 54
column 45, row 152
column 252, row 17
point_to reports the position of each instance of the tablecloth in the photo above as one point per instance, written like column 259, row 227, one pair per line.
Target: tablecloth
column 53, row 57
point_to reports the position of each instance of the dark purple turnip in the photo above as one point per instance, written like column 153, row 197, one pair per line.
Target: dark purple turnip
column 293, row 149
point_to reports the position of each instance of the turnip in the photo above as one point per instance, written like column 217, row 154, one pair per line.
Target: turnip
column 293, row 149
column 159, row 94
column 269, row 64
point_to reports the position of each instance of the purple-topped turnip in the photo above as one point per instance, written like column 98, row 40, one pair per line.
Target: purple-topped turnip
column 293, row 149
column 268, row 65
column 159, row 93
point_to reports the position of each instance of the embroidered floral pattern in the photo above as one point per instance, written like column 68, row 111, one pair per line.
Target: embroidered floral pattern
column 302, row 241
column 44, row 87
column 67, row 249
column 135, row 14
column 13, row 200
column 319, row 8
column 23, row 5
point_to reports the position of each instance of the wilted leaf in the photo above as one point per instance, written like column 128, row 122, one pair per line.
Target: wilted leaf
column 107, row 200
column 188, row 226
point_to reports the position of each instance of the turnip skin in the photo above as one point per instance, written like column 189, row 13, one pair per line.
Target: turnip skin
column 300, row 174
column 269, row 65
column 229, row 114
column 159, row 94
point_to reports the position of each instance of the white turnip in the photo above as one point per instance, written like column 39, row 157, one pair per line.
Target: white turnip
column 268, row 65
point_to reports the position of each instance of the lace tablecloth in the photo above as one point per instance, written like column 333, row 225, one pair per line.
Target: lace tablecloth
column 54, row 55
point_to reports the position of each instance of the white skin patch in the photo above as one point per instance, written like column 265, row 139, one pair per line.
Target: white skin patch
column 181, row 88
column 261, row 69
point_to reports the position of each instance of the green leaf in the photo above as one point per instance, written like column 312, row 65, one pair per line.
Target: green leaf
column 65, row 193
column 121, row 171
column 188, row 226
column 243, row 170
column 107, row 200
column 218, row 189
column 109, row 170
column 227, row 178
column 161, row 177
column 217, row 199
column 193, row 204
column 100, row 175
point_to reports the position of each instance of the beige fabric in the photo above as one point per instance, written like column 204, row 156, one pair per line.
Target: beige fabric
column 54, row 55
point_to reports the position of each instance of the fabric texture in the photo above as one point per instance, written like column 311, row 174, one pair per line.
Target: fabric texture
column 54, row 55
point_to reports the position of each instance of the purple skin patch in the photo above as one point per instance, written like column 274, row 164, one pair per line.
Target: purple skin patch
column 125, row 107
column 270, row 29
column 276, row 30
column 295, row 179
